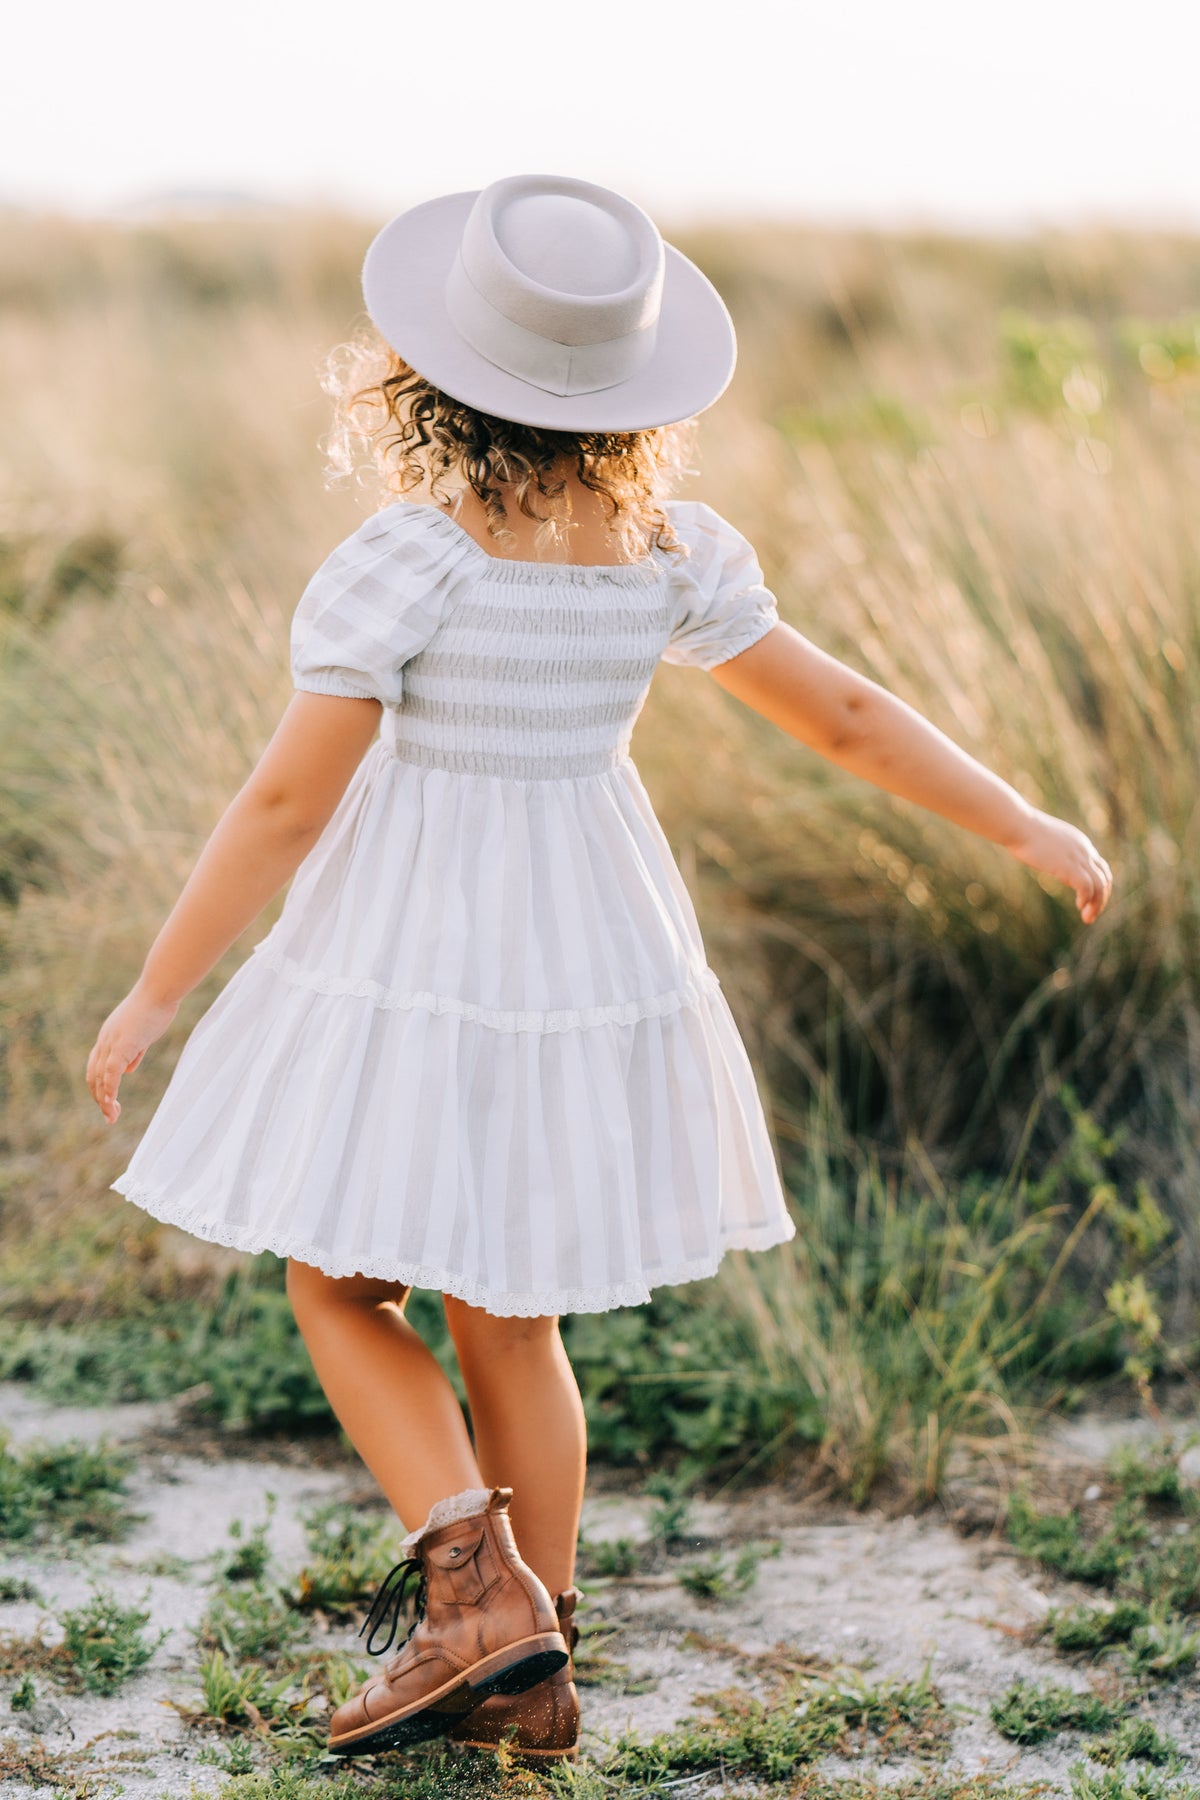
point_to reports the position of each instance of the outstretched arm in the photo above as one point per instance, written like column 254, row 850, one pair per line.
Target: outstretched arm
column 860, row 726
column 258, row 844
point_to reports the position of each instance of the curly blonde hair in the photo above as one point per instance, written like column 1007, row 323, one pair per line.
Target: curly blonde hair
column 413, row 435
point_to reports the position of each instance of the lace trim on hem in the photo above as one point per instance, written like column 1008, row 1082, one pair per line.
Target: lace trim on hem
column 506, row 1306
column 625, row 1012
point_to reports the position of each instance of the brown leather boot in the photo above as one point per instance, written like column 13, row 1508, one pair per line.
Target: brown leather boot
column 483, row 1625
column 543, row 1722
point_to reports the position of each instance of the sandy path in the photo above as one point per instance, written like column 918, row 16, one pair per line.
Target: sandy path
column 889, row 1595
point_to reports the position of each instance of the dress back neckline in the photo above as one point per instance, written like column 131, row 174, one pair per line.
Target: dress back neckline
column 647, row 569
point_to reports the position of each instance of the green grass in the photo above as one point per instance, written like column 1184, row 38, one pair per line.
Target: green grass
column 719, row 1577
column 435, row 1776
column 1128, row 1784
column 348, row 1553
column 734, row 1735
column 62, row 1492
column 18, row 1587
column 250, row 1556
column 251, row 1620
column 1144, row 1549
column 604, row 1559
column 744, row 1737
column 24, row 1694
column 1094, row 1628
column 1135, row 1740
column 1029, row 1712
column 103, row 1644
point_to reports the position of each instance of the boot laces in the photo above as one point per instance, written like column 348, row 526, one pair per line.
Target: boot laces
column 389, row 1602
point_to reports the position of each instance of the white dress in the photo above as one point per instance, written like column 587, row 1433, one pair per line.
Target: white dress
column 481, row 1050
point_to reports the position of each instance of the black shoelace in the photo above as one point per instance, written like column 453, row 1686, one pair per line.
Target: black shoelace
column 390, row 1599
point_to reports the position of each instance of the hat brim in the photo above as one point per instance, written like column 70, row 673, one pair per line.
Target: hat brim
column 404, row 277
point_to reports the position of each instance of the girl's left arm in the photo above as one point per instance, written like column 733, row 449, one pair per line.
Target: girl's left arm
column 870, row 732
column 260, row 841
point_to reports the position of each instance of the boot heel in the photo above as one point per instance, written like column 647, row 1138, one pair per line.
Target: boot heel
column 520, row 1666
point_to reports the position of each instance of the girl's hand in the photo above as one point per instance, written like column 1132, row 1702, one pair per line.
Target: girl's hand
column 1061, row 850
column 124, row 1039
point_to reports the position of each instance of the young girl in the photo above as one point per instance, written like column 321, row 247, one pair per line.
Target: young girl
column 482, row 1051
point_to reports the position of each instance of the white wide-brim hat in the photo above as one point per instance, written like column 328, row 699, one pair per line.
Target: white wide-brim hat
column 551, row 302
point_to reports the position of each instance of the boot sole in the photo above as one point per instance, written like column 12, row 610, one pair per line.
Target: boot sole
column 509, row 1671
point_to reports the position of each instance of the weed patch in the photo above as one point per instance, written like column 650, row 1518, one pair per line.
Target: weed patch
column 1094, row 1628
column 284, row 1705
column 1031, row 1711
column 251, row 1620
column 251, row 1553
column 719, row 1577
column 747, row 1738
column 1127, row 1784
column 347, row 1552
column 1135, row 1740
column 105, row 1643
column 101, row 1645
column 604, row 1560
column 60, row 1491
column 24, row 1695
column 16, row 1587
column 1145, row 1552
column 671, row 1516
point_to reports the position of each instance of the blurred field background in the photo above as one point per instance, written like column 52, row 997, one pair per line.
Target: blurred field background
column 969, row 466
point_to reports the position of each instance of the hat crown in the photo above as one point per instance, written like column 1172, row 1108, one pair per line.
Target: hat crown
column 567, row 244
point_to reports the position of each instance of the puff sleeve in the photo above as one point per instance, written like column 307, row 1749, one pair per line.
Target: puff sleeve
column 374, row 602
column 723, row 605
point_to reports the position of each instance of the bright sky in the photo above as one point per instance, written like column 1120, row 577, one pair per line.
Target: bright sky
column 947, row 111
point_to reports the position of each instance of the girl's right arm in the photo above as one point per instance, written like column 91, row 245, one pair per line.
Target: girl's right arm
column 260, row 841
column 870, row 732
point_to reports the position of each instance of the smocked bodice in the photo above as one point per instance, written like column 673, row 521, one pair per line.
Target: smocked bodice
column 535, row 672
column 519, row 670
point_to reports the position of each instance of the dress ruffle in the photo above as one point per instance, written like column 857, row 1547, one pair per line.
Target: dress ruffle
column 526, row 1173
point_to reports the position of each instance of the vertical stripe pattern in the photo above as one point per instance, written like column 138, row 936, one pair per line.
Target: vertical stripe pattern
column 481, row 1049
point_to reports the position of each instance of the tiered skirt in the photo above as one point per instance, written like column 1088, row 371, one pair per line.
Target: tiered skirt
column 480, row 1051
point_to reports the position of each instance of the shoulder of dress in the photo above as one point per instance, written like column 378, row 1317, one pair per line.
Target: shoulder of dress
column 423, row 533
column 709, row 538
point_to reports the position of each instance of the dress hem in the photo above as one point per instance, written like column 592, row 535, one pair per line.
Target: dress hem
column 511, row 1305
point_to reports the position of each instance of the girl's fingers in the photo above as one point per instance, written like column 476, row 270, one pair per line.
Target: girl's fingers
column 106, row 1082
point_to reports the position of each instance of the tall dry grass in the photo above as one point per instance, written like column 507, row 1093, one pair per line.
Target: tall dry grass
column 968, row 467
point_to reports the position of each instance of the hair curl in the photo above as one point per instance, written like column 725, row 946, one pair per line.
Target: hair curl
column 416, row 435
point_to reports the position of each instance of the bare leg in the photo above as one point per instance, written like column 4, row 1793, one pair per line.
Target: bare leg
column 529, row 1429
column 386, row 1388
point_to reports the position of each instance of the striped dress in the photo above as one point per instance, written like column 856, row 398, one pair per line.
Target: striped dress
column 481, row 1050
